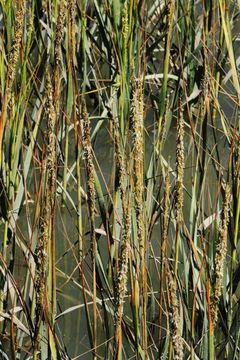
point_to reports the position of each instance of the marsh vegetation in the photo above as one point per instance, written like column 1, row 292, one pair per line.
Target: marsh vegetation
column 119, row 179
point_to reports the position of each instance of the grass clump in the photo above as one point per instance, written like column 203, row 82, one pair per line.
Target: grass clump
column 119, row 179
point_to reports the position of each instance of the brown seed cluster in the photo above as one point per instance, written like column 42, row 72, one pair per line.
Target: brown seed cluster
column 48, row 206
column 220, row 257
column 137, row 118
column 72, row 29
column 87, row 146
column 12, row 63
column 165, row 215
column 122, row 277
column 57, row 54
column 177, row 340
column 51, row 142
column 14, row 54
column 138, row 150
column 60, row 30
column 125, row 21
column 179, row 166
column 121, row 287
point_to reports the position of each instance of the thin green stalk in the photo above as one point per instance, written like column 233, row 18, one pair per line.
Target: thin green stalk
column 163, row 94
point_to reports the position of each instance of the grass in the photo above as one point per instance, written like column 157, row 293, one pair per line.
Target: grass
column 119, row 179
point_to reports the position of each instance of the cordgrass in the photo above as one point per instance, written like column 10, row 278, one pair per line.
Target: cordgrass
column 119, row 179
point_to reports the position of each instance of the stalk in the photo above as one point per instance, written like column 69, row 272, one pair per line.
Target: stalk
column 163, row 95
column 138, row 143
column 87, row 147
column 177, row 342
column 46, row 282
column 164, row 243
column 45, row 285
column 179, row 197
column 219, row 262
column 11, row 70
column 7, row 118
column 125, row 248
